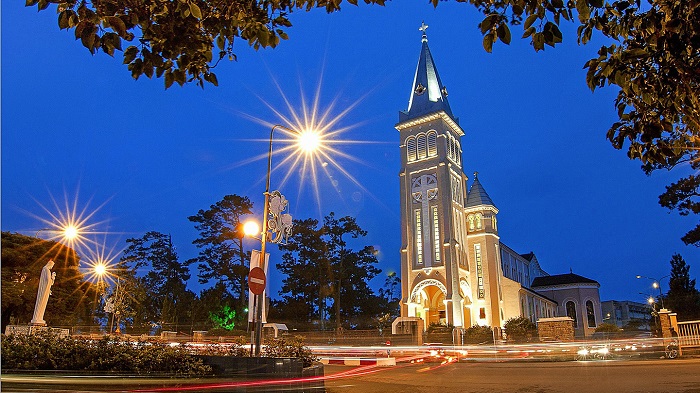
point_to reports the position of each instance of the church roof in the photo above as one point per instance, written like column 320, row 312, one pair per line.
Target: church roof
column 477, row 196
column 528, row 256
column 428, row 94
column 561, row 279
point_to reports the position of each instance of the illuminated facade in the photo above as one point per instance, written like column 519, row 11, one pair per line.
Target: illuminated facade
column 454, row 269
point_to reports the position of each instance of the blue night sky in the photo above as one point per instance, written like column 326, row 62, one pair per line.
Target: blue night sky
column 78, row 127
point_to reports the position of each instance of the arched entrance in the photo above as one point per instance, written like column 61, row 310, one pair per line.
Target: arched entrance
column 427, row 301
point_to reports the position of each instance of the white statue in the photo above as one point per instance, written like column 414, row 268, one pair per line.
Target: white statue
column 42, row 296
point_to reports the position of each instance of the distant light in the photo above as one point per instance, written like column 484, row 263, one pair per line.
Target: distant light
column 309, row 140
column 650, row 300
column 71, row 232
column 100, row 269
column 655, row 284
column 251, row 228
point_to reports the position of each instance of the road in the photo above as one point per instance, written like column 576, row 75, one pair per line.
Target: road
column 680, row 375
column 637, row 376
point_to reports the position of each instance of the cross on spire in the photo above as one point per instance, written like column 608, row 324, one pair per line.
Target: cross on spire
column 423, row 27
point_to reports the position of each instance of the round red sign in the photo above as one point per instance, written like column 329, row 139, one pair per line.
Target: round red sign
column 256, row 280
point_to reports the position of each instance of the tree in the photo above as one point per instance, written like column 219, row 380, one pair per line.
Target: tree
column 320, row 267
column 307, row 269
column 166, row 279
column 221, row 257
column 520, row 329
column 350, row 271
column 213, row 302
column 73, row 300
column 682, row 298
column 390, row 294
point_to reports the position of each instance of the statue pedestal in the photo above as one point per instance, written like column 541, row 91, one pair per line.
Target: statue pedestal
column 35, row 329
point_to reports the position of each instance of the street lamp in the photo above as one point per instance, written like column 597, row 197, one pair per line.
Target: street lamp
column 69, row 232
column 274, row 221
column 100, row 270
column 656, row 284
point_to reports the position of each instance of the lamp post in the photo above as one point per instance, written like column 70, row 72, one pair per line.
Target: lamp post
column 280, row 228
column 101, row 270
column 656, row 284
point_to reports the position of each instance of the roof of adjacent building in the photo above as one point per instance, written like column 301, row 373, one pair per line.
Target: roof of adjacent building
column 528, row 256
column 477, row 196
column 428, row 94
column 561, row 279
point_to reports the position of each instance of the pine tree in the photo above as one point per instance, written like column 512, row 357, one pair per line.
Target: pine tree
column 221, row 257
column 682, row 298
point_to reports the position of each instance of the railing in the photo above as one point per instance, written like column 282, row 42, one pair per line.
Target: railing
column 689, row 334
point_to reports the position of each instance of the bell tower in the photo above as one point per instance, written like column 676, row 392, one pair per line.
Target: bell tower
column 483, row 247
column 434, row 266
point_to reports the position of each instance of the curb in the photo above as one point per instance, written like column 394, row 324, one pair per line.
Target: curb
column 382, row 362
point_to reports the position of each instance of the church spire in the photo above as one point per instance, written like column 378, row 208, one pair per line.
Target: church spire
column 428, row 94
column 477, row 196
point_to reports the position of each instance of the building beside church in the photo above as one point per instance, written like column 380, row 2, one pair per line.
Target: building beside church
column 624, row 313
column 454, row 268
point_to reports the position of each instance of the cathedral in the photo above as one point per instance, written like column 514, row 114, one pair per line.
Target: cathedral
column 454, row 268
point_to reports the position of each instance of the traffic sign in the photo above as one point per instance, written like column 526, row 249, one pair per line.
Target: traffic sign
column 256, row 281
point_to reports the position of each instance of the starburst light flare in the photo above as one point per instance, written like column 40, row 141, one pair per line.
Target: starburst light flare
column 68, row 223
column 308, row 146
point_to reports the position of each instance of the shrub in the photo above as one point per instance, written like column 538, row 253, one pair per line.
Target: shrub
column 237, row 347
column 478, row 334
column 607, row 328
column 520, row 329
column 48, row 352
column 217, row 331
column 439, row 328
column 289, row 346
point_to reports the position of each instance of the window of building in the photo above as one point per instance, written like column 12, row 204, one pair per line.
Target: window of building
column 419, row 238
column 590, row 314
column 458, row 154
column 477, row 221
column 436, row 234
column 432, row 144
column 411, row 149
column 571, row 312
column 421, row 146
column 471, row 222
column 482, row 313
column 479, row 271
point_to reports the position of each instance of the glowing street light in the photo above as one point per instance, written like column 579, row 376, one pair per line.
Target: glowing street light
column 308, row 141
column 274, row 220
column 100, row 270
column 251, row 229
column 656, row 284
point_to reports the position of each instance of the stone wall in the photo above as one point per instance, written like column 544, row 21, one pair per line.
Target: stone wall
column 556, row 329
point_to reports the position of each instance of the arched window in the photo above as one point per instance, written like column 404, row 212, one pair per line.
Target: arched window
column 448, row 140
column 432, row 144
column 477, row 221
column 571, row 312
column 590, row 314
column 471, row 222
column 421, row 146
column 458, row 154
column 411, row 148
